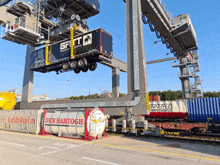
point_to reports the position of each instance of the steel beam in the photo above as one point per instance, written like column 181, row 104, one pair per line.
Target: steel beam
column 161, row 60
column 185, row 82
column 115, row 63
column 95, row 104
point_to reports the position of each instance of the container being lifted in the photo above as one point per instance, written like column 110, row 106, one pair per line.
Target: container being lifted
column 89, row 48
column 183, row 31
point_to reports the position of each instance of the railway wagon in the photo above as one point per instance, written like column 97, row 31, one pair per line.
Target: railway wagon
column 88, row 49
column 194, row 115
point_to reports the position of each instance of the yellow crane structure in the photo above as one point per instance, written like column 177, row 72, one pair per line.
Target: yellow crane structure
column 7, row 101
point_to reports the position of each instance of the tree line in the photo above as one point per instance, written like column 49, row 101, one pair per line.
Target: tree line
column 93, row 96
column 173, row 95
column 164, row 95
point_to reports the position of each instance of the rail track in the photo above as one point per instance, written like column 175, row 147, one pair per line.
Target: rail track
column 194, row 138
column 208, row 138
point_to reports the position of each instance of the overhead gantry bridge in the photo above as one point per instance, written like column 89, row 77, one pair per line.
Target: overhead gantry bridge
column 178, row 34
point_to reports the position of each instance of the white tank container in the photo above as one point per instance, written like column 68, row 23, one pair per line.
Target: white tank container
column 73, row 123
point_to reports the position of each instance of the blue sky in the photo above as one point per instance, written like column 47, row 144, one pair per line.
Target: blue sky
column 161, row 76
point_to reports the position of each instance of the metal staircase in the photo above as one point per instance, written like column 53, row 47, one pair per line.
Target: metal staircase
column 185, row 65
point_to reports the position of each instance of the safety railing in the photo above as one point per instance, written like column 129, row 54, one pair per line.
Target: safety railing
column 8, row 27
column 32, row 26
column 196, row 69
column 188, row 74
column 198, row 80
column 193, row 87
column 195, row 54
column 22, row 22
column 169, row 13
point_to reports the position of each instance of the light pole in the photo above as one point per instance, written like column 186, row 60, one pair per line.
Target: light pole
column 67, row 88
column 202, row 94
column 89, row 83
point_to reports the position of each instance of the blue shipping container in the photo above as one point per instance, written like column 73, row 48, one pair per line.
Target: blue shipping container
column 204, row 109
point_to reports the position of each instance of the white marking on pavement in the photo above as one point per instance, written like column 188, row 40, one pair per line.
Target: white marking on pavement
column 13, row 143
column 63, row 149
column 100, row 161
column 65, row 144
column 48, row 147
column 60, row 144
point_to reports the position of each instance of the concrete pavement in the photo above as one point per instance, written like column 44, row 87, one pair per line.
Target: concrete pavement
column 25, row 149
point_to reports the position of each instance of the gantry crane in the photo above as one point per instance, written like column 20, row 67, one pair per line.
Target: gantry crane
column 36, row 20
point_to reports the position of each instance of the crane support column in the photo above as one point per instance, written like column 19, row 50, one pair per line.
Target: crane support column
column 115, row 81
column 185, row 82
column 136, row 63
column 28, row 77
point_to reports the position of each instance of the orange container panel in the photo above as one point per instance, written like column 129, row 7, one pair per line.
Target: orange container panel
column 156, row 98
column 150, row 98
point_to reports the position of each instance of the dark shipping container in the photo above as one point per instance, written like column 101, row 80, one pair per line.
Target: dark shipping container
column 204, row 109
column 95, row 46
